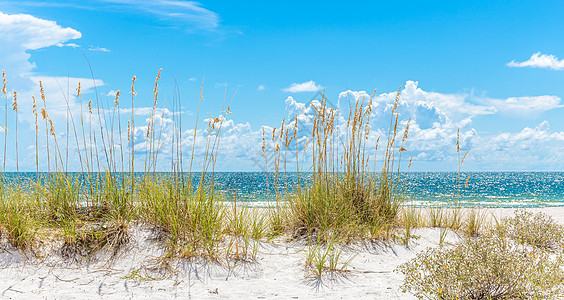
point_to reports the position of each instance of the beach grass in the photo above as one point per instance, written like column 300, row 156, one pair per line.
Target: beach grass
column 349, row 199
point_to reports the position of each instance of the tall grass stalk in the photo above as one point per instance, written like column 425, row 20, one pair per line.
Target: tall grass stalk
column 345, row 197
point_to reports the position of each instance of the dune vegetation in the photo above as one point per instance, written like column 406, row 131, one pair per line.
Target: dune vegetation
column 349, row 200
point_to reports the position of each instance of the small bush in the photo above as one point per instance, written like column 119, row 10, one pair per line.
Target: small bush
column 537, row 230
column 484, row 268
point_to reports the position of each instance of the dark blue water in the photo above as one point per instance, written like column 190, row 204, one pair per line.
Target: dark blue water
column 487, row 189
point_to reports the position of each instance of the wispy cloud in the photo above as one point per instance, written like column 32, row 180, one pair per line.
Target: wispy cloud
column 308, row 86
column 187, row 12
column 99, row 49
column 72, row 45
column 261, row 88
column 526, row 106
column 539, row 60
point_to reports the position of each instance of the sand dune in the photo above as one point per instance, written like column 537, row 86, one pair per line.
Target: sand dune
column 278, row 272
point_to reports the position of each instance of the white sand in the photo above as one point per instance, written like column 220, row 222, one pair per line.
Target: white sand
column 279, row 272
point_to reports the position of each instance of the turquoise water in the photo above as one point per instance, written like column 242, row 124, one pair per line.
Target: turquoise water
column 487, row 189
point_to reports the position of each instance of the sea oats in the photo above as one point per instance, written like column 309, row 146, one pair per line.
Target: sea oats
column 15, row 103
column 78, row 89
column 133, row 92
column 406, row 131
column 42, row 91
column 116, row 101
column 52, row 130
column 4, row 91
column 34, row 105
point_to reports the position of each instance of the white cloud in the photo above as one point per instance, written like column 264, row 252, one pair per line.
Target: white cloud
column 28, row 32
column 261, row 88
column 538, row 60
column 526, row 106
column 72, row 45
column 427, row 107
column 308, row 86
column 192, row 79
column 186, row 12
column 20, row 33
column 98, row 49
column 111, row 93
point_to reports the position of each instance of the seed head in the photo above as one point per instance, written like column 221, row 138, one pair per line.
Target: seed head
column 35, row 113
column 458, row 141
column 274, row 133
column 15, row 103
column 116, row 101
column 133, row 92
column 78, row 89
column 52, row 127
column 42, row 91
column 5, row 82
column 406, row 130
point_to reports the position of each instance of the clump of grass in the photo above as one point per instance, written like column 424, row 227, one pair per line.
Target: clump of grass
column 344, row 196
column 92, row 210
column 410, row 217
column 474, row 222
column 245, row 228
column 537, row 230
column 436, row 216
column 326, row 257
column 190, row 218
column 16, row 220
column 484, row 268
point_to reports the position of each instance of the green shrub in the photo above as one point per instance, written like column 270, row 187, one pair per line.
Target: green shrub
column 484, row 268
column 538, row 230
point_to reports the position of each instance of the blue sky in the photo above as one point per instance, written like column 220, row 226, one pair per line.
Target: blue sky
column 494, row 69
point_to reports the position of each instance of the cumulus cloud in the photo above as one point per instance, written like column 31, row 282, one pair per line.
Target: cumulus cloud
column 539, row 60
column 308, row 86
column 437, row 117
column 20, row 33
column 28, row 32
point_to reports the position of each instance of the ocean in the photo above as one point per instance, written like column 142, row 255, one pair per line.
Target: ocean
column 484, row 189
